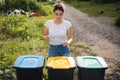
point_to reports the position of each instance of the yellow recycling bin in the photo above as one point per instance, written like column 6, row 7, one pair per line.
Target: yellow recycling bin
column 60, row 68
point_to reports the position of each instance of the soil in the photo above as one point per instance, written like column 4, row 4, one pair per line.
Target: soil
column 100, row 35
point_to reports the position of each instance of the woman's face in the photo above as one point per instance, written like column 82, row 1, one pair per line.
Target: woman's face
column 58, row 14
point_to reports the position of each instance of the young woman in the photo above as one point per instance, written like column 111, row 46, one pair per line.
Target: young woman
column 59, row 33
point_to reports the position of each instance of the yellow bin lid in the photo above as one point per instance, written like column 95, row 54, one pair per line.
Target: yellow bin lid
column 60, row 62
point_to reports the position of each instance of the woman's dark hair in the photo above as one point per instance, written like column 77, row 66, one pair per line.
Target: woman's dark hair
column 58, row 6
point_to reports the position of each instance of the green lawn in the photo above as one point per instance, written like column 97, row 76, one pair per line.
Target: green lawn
column 92, row 9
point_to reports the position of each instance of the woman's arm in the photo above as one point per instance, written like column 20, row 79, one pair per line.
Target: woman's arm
column 45, row 33
column 69, row 37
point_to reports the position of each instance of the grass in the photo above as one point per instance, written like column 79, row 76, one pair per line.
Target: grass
column 81, row 49
column 92, row 9
column 12, row 48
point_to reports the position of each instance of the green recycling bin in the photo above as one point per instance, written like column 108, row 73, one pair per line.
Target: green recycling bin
column 29, row 67
column 91, row 67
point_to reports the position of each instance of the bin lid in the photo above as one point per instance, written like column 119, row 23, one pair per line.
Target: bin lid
column 29, row 61
column 60, row 62
column 90, row 62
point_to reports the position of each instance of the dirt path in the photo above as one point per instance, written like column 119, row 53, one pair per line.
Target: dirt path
column 102, row 37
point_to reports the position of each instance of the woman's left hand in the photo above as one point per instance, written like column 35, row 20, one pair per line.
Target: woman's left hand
column 66, row 43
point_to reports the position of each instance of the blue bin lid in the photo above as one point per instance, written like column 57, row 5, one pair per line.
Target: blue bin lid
column 29, row 61
column 90, row 62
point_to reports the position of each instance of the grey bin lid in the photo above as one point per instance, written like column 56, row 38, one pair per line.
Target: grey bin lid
column 29, row 61
column 90, row 62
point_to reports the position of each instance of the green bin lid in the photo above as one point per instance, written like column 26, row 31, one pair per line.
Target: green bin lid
column 90, row 62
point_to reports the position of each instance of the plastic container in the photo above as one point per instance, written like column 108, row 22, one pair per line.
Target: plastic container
column 60, row 68
column 29, row 67
column 91, row 68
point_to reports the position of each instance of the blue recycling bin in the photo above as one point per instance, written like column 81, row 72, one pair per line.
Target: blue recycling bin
column 29, row 67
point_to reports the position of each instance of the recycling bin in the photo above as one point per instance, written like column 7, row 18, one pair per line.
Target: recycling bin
column 60, row 68
column 91, row 67
column 29, row 67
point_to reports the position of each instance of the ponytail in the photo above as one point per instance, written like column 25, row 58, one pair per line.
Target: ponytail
column 58, row 6
column 58, row 1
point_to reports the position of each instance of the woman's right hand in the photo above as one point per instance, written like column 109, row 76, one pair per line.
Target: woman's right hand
column 45, row 37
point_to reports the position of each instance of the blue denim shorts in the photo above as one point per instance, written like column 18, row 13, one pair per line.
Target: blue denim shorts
column 58, row 50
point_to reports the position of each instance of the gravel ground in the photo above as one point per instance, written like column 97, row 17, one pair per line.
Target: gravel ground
column 102, row 36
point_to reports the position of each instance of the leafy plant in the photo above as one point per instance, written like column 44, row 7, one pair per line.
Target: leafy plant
column 6, row 72
column 21, row 35
column 14, row 26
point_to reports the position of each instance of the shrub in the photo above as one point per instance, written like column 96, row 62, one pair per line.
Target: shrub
column 14, row 26
column 117, row 22
column 28, row 5
column 20, row 4
column 18, row 26
column 34, row 6
column 2, row 6
column 6, row 62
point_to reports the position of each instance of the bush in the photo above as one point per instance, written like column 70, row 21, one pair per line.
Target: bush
column 6, row 65
column 117, row 22
column 14, row 26
column 18, row 26
column 28, row 5
column 20, row 4
column 34, row 6
column 2, row 4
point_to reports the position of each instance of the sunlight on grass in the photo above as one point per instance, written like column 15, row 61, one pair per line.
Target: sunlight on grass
column 97, row 9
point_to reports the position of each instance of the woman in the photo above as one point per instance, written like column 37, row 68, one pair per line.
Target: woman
column 59, row 33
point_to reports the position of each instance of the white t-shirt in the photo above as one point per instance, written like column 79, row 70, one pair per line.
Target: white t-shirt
column 57, row 33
